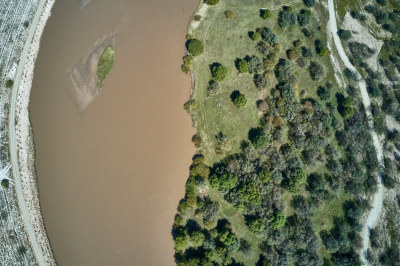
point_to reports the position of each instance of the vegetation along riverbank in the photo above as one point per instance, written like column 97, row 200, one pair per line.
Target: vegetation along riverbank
column 286, row 166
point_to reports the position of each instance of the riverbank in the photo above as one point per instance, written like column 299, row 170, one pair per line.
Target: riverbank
column 21, row 141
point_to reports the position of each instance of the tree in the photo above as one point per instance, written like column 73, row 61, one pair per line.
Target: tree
column 277, row 220
column 223, row 182
column 256, row 225
column 286, row 18
column 5, row 183
column 211, row 2
column 292, row 54
column 255, row 36
column 238, row 99
column 307, row 52
column 197, row 238
column 260, row 81
column 9, row 83
column 283, row 70
column 195, row 47
column 258, row 137
column 197, row 17
column 324, row 93
column 304, row 17
column 181, row 241
column 269, row 36
column 265, row 13
column 254, row 64
column 230, row 14
column 316, row 71
column 309, row 3
column 381, row 2
column 297, row 178
column 242, row 66
column 345, row 35
column 219, row 72
column 248, row 192
column 213, row 86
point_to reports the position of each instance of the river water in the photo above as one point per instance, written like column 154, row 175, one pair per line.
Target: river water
column 110, row 179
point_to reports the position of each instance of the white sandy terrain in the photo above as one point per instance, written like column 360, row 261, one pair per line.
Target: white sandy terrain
column 362, row 35
column 21, row 142
column 377, row 203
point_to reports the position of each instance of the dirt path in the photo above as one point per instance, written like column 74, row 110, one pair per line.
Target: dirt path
column 376, row 209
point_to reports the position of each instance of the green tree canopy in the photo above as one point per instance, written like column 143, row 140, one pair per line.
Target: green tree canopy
column 219, row 72
column 195, row 47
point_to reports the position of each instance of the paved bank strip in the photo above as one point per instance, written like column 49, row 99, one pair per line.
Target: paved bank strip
column 20, row 140
column 377, row 203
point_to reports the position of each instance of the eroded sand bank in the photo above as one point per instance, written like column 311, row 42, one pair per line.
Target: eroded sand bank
column 83, row 76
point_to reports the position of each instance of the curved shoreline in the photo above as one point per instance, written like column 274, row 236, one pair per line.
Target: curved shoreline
column 377, row 203
column 21, row 142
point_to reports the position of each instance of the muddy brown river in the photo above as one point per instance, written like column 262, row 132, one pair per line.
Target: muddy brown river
column 111, row 178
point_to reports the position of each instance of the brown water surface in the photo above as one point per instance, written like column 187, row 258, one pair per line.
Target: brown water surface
column 110, row 179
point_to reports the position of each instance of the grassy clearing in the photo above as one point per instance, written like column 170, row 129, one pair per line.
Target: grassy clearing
column 105, row 65
column 225, row 40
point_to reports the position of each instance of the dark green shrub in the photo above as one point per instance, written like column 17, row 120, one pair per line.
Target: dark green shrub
column 307, row 52
column 213, row 86
column 260, row 81
column 255, row 64
column 304, row 17
column 265, row 13
column 286, row 18
column 255, row 36
column 381, row 2
column 230, row 14
column 211, row 2
column 9, row 83
column 316, row 71
column 309, row 3
column 238, row 99
column 195, row 47
column 197, row 18
column 5, row 183
column 324, row 93
column 256, row 225
column 277, row 220
column 269, row 36
column 258, row 137
column 219, row 72
column 242, row 66
column 345, row 35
